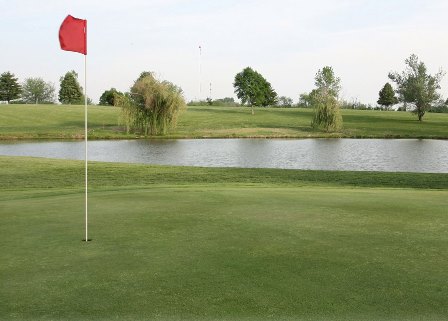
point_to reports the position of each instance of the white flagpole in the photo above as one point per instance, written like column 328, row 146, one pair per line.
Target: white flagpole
column 85, row 135
column 200, row 73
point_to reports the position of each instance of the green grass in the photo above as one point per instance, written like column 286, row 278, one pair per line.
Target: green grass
column 62, row 122
column 180, row 243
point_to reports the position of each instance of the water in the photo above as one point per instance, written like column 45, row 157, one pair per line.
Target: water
column 391, row 155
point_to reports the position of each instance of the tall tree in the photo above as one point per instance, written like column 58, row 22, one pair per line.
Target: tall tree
column 36, row 90
column 253, row 89
column 70, row 91
column 326, row 82
column 9, row 87
column 387, row 96
column 324, row 97
column 108, row 97
column 415, row 86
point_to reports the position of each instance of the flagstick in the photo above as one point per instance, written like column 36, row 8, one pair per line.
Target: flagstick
column 85, row 132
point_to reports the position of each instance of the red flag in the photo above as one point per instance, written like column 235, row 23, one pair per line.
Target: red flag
column 73, row 35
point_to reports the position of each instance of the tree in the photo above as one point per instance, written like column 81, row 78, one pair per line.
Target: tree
column 284, row 101
column 387, row 96
column 326, row 81
column 9, row 87
column 152, row 105
column 108, row 97
column 70, row 91
column 36, row 90
column 416, row 86
column 327, row 115
column 253, row 89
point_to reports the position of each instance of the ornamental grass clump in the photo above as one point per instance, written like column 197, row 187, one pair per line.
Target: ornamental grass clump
column 152, row 106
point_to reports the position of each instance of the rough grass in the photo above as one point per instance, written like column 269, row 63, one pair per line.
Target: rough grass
column 59, row 122
column 173, row 243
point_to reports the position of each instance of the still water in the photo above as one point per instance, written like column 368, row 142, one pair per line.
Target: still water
column 409, row 155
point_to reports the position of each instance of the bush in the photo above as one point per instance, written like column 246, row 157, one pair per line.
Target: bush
column 152, row 106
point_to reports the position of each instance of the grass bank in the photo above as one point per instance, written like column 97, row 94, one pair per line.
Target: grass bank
column 67, row 122
column 179, row 243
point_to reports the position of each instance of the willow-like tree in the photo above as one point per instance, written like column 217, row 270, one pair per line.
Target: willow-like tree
column 152, row 106
column 327, row 114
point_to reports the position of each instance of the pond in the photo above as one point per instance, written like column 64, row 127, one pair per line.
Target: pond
column 391, row 155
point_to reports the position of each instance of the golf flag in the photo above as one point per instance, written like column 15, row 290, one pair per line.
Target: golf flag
column 73, row 35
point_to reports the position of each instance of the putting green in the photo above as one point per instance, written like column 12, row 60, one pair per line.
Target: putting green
column 231, row 251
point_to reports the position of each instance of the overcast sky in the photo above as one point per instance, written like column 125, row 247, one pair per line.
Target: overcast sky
column 286, row 41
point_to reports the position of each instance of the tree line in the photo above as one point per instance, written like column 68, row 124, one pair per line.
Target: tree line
column 38, row 91
column 415, row 89
column 152, row 105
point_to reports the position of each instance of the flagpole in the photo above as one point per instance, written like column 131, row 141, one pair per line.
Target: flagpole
column 85, row 138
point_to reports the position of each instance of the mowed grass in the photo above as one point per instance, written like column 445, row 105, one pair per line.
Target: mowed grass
column 180, row 243
column 67, row 122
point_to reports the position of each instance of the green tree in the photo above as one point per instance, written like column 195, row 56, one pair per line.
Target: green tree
column 70, row 91
column 152, row 105
column 9, row 87
column 284, row 101
column 36, row 90
column 326, row 82
column 327, row 114
column 253, row 89
column 108, row 97
column 415, row 86
column 387, row 96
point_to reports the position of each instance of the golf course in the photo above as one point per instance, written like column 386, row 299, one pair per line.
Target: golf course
column 192, row 243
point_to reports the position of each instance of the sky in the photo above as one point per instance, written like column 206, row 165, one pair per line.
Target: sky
column 286, row 41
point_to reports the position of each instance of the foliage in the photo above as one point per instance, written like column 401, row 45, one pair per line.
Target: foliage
column 441, row 107
column 354, row 104
column 387, row 96
column 225, row 102
column 305, row 100
column 152, row 106
column 9, row 87
column 70, row 91
column 37, row 91
column 221, row 102
column 327, row 115
column 416, row 86
column 284, row 101
column 253, row 89
column 108, row 97
column 327, row 83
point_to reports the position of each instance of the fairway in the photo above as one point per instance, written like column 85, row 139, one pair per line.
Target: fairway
column 67, row 122
column 248, row 245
